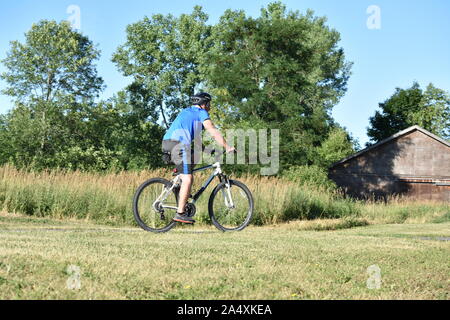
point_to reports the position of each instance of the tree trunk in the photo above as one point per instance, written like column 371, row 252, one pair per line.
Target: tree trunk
column 49, row 86
column 164, row 117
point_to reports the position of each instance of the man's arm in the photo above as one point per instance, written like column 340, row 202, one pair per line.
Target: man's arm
column 212, row 130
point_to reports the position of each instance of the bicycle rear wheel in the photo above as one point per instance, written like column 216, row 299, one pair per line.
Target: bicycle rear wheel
column 151, row 212
column 231, row 216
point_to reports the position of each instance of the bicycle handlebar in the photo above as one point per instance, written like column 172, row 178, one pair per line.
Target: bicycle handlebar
column 217, row 153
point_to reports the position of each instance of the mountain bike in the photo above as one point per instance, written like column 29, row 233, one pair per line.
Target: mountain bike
column 230, row 205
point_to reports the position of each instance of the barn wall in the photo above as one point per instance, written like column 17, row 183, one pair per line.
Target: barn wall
column 409, row 165
column 427, row 191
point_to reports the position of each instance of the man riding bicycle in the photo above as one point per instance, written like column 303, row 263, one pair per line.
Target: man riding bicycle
column 179, row 143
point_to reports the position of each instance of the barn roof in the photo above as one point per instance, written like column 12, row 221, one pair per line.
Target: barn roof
column 395, row 136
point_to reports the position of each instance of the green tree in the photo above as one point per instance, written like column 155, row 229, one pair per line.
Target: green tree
column 429, row 109
column 337, row 146
column 393, row 116
column 282, row 68
column 5, row 142
column 54, row 64
column 434, row 112
column 53, row 81
column 162, row 54
column 135, row 137
column 33, row 135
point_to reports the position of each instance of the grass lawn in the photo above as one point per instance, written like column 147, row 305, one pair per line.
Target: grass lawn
column 288, row 261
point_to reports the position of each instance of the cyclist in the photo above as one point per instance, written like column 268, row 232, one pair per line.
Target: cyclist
column 179, row 143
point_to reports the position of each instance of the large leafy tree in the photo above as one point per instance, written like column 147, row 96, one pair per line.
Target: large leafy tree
column 429, row 109
column 162, row 55
column 55, row 64
column 53, row 81
column 434, row 112
column 282, row 68
column 136, row 138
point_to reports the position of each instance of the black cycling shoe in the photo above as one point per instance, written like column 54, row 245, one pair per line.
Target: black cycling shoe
column 183, row 218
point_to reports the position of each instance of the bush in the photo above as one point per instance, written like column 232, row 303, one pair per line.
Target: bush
column 336, row 147
column 312, row 176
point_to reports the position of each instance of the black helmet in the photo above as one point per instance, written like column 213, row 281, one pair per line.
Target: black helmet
column 201, row 98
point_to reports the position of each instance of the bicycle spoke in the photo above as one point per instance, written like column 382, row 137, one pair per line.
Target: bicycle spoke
column 156, row 206
column 232, row 207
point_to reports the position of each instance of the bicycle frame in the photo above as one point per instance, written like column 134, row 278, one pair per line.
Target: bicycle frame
column 217, row 173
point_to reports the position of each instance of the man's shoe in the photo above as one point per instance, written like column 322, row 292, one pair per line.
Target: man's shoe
column 180, row 217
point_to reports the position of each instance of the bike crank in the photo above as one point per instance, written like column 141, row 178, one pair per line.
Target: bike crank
column 191, row 210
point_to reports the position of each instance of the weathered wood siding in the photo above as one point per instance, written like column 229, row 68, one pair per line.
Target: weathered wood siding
column 413, row 165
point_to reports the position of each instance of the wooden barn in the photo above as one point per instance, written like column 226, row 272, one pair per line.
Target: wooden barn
column 413, row 163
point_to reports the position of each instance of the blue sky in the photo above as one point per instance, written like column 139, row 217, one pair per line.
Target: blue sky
column 412, row 43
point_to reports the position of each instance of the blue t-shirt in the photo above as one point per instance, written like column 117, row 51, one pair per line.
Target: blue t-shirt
column 187, row 126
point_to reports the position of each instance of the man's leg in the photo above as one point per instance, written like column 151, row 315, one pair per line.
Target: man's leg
column 185, row 191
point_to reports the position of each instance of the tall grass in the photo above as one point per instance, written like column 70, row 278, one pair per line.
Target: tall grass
column 278, row 200
column 397, row 210
column 107, row 198
column 60, row 194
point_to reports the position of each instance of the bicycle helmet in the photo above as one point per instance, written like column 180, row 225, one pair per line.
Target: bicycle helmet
column 201, row 99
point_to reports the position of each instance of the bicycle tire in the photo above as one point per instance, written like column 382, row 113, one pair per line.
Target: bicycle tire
column 138, row 215
column 216, row 220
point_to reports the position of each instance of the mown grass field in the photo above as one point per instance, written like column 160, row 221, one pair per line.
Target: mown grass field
column 284, row 261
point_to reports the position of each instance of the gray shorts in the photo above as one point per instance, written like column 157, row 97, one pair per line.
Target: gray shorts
column 180, row 155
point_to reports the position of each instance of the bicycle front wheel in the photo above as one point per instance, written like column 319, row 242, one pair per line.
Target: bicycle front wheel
column 154, row 205
column 231, row 209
